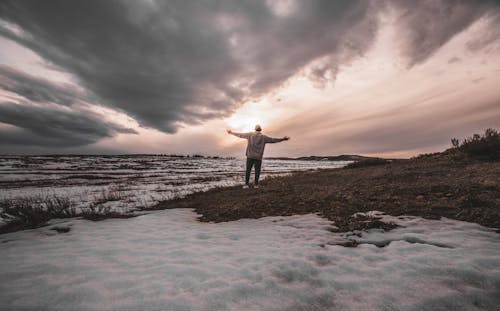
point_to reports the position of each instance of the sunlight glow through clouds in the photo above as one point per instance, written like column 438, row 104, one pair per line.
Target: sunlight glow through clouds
column 282, row 7
column 376, row 95
column 244, row 119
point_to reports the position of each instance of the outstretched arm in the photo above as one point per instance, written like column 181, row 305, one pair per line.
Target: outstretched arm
column 240, row 135
column 271, row 140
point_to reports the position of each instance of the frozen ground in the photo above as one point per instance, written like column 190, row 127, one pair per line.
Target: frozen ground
column 167, row 260
column 127, row 183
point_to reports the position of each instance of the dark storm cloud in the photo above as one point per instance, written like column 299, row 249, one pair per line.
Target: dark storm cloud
column 38, row 89
column 39, row 121
column 426, row 25
column 53, row 126
column 166, row 63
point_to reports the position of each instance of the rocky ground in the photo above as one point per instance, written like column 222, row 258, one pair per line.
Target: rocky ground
column 431, row 186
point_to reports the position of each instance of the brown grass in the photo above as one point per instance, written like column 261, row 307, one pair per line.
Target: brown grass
column 36, row 211
column 431, row 186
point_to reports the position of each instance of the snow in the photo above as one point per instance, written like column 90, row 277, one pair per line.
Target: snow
column 167, row 260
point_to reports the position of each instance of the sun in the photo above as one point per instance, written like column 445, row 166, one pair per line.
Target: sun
column 246, row 117
column 243, row 123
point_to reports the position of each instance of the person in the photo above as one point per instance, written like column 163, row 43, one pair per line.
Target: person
column 255, row 150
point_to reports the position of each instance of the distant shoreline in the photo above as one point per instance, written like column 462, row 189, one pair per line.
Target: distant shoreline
column 131, row 155
column 343, row 157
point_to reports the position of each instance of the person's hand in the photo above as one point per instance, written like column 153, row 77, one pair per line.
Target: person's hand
column 286, row 138
column 229, row 131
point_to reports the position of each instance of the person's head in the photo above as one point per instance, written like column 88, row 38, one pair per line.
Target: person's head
column 258, row 128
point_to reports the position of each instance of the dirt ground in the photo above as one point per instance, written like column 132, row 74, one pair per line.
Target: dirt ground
column 431, row 186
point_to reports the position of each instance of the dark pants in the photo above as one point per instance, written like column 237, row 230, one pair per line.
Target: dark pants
column 250, row 163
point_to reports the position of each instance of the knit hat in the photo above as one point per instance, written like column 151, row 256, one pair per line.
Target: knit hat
column 258, row 128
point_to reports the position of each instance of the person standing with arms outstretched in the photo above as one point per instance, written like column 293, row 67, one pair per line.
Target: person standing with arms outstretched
column 255, row 150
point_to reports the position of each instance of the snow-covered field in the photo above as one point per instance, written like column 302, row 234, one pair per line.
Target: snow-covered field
column 167, row 260
column 127, row 183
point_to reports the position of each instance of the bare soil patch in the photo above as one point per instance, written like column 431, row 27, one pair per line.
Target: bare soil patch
column 431, row 186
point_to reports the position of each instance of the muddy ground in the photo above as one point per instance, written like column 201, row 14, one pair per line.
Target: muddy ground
column 430, row 186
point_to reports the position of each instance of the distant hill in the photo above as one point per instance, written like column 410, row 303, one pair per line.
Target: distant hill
column 343, row 157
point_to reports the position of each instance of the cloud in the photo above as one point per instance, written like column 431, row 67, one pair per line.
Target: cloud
column 38, row 89
column 433, row 129
column 183, row 62
column 173, row 63
column 491, row 32
column 425, row 26
column 50, row 114
column 50, row 125
column 404, row 129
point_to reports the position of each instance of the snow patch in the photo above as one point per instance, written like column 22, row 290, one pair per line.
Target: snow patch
column 167, row 260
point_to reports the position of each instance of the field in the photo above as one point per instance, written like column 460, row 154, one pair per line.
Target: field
column 122, row 184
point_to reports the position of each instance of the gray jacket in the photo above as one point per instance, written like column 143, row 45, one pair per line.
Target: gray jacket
column 256, row 143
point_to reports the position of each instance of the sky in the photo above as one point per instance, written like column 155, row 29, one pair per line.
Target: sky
column 391, row 78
